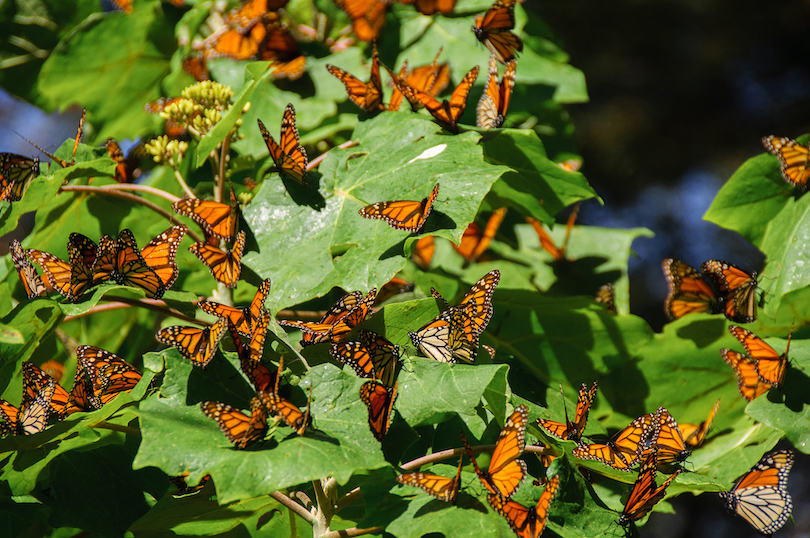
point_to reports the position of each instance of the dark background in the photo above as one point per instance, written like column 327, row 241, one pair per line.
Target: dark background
column 681, row 92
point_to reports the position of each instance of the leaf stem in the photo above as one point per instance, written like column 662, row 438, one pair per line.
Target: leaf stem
column 117, row 428
column 145, row 188
column 354, row 531
column 294, row 506
column 323, row 511
column 155, row 305
column 131, row 197
column 317, row 160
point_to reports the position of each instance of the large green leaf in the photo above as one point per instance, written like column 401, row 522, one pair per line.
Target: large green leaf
column 111, row 54
column 399, row 158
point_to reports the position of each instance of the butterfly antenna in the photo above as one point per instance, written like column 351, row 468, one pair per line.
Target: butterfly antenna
column 78, row 138
column 790, row 335
column 278, row 373
column 307, row 416
column 63, row 164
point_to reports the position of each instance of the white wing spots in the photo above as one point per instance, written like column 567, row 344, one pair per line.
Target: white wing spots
column 429, row 153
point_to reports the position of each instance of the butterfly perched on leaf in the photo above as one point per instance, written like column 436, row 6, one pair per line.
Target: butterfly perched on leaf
column 494, row 102
column 243, row 319
column 738, row 288
column 527, row 522
column 547, row 243
column 430, row 7
column 403, row 215
column 689, row 291
column 379, row 399
column 667, row 440
column 372, row 357
column 623, row 451
column 159, row 254
column 225, row 265
column 195, row 344
column 216, row 218
column 770, row 365
column 288, row 155
column 475, row 241
column 493, row 29
column 338, row 321
column 793, row 157
column 572, row 431
column 289, row 413
column 36, row 381
column 480, row 296
column 444, row 338
column 748, row 381
column 760, row 496
column 646, row 493
column 29, row 277
column 441, row 487
column 250, row 358
column 32, row 415
column 16, row 174
column 127, row 166
column 505, row 471
column 107, row 376
column 432, row 79
column 131, row 269
column 366, row 95
column 695, row 434
column 70, row 279
column 447, row 112
column 240, row 429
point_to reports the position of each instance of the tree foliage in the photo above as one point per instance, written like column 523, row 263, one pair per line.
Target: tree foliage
column 309, row 240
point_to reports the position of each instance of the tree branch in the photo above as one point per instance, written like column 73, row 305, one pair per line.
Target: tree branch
column 317, row 160
column 117, row 428
column 145, row 188
column 354, row 531
column 131, row 197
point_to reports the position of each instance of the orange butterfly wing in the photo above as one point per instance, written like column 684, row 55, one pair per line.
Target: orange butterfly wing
column 225, row 266
column 16, row 174
column 494, row 102
column 493, row 30
column 748, row 382
column 695, row 434
column 35, row 381
column 215, row 218
column 240, row 429
column 794, row 159
column 770, row 365
column 32, row 283
column 667, row 439
column 366, row 95
column 689, row 291
column 527, row 522
column 197, row 345
column 379, row 399
column 131, row 268
column 442, row 487
column 161, row 251
column 402, row 215
column 645, row 493
column 447, row 112
column 288, row 155
column 739, row 288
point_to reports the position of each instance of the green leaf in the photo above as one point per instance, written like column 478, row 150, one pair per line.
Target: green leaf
column 32, row 321
column 785, row 244
column 322, row 230
column 754, row 195
column 110, row 54
column 537, row 186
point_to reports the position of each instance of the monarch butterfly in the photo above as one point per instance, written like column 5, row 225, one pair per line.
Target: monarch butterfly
column 288, row 155
column 403, row 215
column 160, row 252
column 81, row 394
column 368, row 16
column 122, row 5
column 242, row 319
column 197, row 345
column 108, row 374
column 366, row 95
column 494, row 102
column 443, row 339
column 240, row 429
column 572, row 431
column 16, row 174
column 606, row 295
column 689, row 291
column 35, row 381
column 373, row 357
column 446, row 112
column 29, row 278
column 195, row 66
column 132, row 269
column 182, row 486
column 623, row 451
column 104, row 266
column 667, row 439
column 738, row 288
column 246, row 15
column 547, row 244
column 250, row 360
column 69, row 279
column 571, row 165
column 423, row 251
column 695, row 434
column 443, row 488
column 506, row 471
column 379, row 399
column 292, row 70
column 235, row 43
column 172, row 128
column 794, row 159
column 760, row 496
column 645, row 493
column 225, row 266
column 527, row 522
column 429, row 7
column 291, row 415
column 474, row 242
column 32, row 415
column 339, row 320
column 480, row 295
column 280, row 48
column 431, row 79
column 215, row 218
column 770, row 365
column 748, row 382
column 493, row 30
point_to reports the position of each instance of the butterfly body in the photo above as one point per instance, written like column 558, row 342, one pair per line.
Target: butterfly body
column 366, row 95
column 403, row 215
column 379, row 399
column 447, row 112
column 288, row 155
column 770, row 365
column 645, row 493
column 493, row 29
column 624, row 450
column 494, row 102
column 738, row 288
column 16, row 174
column 197, row 345
column 572, row 431
column 689, row 291
column 225, row 265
